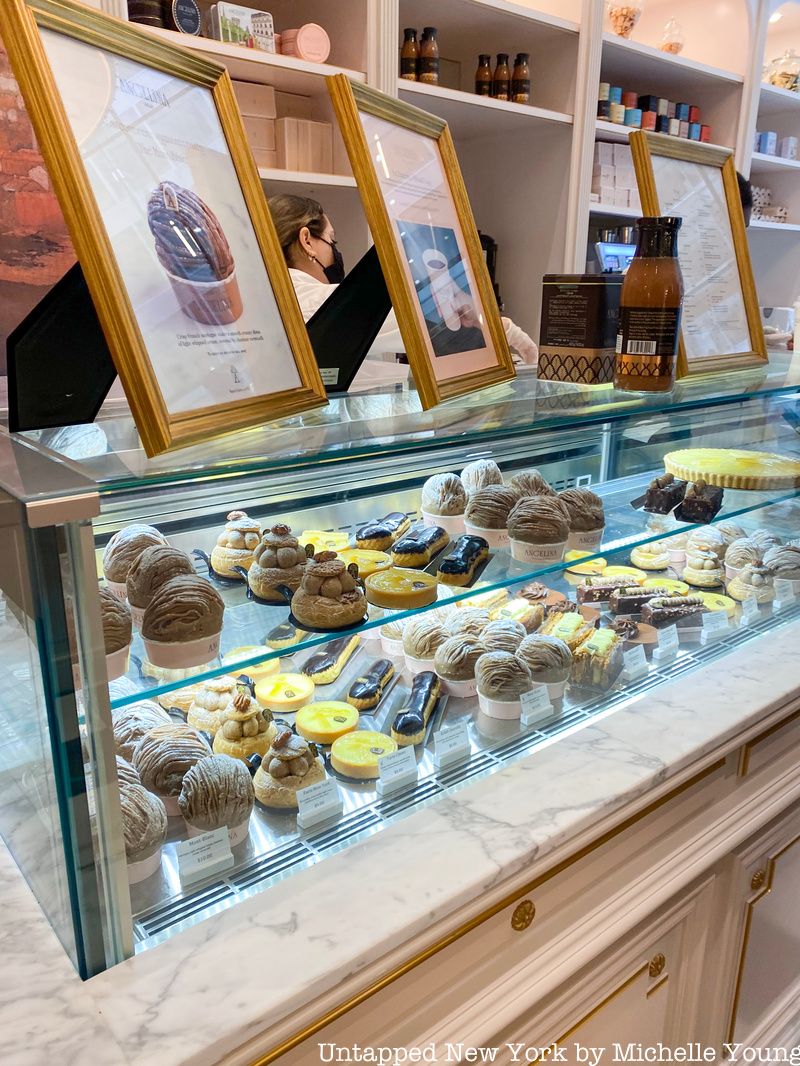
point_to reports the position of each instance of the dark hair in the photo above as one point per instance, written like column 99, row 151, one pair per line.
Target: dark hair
column 745, row 192
column 290, row 214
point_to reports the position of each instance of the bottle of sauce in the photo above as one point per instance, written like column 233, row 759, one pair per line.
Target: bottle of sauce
column 429, row 56
column 409, row 56
column 650, row 310
column 501, row 82
column 483, row 76
column 521, row 79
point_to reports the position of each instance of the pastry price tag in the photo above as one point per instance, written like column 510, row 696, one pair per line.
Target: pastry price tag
column 451, row 745
column 715, row 625
column 398, row 770
column 785, row 592
column 750, row 611
column 668, row 643
column 635, row 662
column 536, row 705
column 318, row 803
column 203, row 855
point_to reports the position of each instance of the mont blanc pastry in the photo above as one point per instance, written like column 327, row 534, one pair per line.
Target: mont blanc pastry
column 783, row 560
column 381, row 534
column 503, row 635
column 144, row 828
column 487, row 513
column 530, row 483
column 356, row 754
column 703, row 568
column 419, row 546
column 650, row 556
column 469, row 620
column 367, row 690
column 245, row 729
column 538, row 527
column 742, row 552
column 329, row 596
column 549, row 660
column 765, row 539
column 126, row 774
column 410, row 721
column 455, row 662
column 324, row 666
column 730, row 531
column 586, row 516
column 278, row 559
column 164, row 755
column 502, row 680
column 326, row 721
column 123, row 550
column 155, row 566
column 401, row 589
column 708, row 538
column 752, row 581
column 117, row 632
column 444, row 495
column 479, row 474
column 182, row 623
column 291, row 764
column 210, row 699
column 132, row 722
column 218, row 791
column 461, row 563
column 421, row 638
column 235, row 544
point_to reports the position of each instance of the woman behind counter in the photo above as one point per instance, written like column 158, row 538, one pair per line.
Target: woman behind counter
column 308, row 241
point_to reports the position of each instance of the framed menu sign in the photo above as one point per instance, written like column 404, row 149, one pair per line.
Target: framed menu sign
column 417, row 208
column 721, row 324
column 147, row 154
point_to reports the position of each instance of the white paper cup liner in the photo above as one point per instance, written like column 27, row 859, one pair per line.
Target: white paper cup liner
column 137, row 614
column 459, row 689
column 495, row 538
column 507, row 710
column 677, row 557
column 586, row 540
column 141, row 869
column 393, row 648
column 732, row 572
column 171, row 805
column 189, row 653
column 238, row 834
column 537, row 554
column 418, row 666
column 371, row 636
column 117, row 663
column 555, row 689
column 450, row 523
column 118, row 589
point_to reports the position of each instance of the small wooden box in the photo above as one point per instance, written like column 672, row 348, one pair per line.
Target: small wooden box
column 304, row 145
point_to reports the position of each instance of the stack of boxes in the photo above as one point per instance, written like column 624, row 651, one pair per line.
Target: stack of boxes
column 613, row 176
column 769, row 143
column 763, row 207
column 654, row 113
column 280, row 130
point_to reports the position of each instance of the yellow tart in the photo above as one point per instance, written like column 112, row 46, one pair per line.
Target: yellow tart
column 367, row 561
column 715, row 601
column 401, row 588
column 324, row 540
column 676, row 588
column 356, row 754
column 636, row 576
column 326, row 721
column 594, row 566
column 284, row 692
column 234, row 657
column 734, row 468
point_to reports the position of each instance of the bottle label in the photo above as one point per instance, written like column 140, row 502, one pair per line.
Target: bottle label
column 429, row 69
column 408, row 68
column 521, row 90
column 483, row 88
column 648, row 331
column 501, row 90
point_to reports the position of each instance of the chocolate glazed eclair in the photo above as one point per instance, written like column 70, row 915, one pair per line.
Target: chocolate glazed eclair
column 325, row 666
column 382, row 534
column 458, row 568
column 366, row 691
column 410, row 721
column 419, row 546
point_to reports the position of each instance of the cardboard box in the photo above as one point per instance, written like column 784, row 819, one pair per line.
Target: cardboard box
column 603, row 174
column 266, row 158
column 578, row 335
column 625, row 178
column 622, row 155
column 255, row 100
column 621, row 197
column 603, row 153
column 260, row 132
column 245, row 26
column 292, row 105
column 605, row 192
column 304, row 145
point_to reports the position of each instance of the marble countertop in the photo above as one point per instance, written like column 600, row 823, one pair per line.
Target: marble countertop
column 206, row 991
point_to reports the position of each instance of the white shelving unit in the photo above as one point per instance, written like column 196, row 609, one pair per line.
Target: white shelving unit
column 477, row 116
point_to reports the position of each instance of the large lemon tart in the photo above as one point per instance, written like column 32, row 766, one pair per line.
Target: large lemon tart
column 715, row 601
column 400, row 588
column 326, row 721
column 325, row 540
column 734, row 468
column 284, row 692
column 356, row 754
column 673, row 587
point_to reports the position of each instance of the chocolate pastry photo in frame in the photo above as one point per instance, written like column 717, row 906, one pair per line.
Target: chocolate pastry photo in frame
column 417, row 208
column 147, row 154
column 720, row 323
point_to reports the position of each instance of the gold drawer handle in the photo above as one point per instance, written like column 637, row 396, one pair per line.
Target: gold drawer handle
column 758, row 880
column 523, row 915
column 657, row 964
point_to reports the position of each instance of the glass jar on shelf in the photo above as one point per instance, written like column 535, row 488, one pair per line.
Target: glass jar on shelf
column 784, row 72
column 624, row 16
column 672, row 39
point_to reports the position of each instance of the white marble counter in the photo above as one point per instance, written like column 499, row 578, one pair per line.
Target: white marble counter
column 207, row 991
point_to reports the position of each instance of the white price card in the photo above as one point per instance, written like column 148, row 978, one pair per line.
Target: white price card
column 635, row 662
column 750, row 611
column 397, row 770
column 536, row 705
column 319, row 802
column 668, row 644
column 715, row 624
column 451, row 744
column 204, row 855
column 785, row 591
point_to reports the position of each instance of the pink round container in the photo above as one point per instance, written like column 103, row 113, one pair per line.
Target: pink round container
column 459, row 689
column 541, row 554
column 118, row 589
column 732, row 572
column 309, row 42
column 450, row 523
column 393, row 648
column 189, row 653
column 141, row 869
column 587, row 540
column 495, row 538
column 238, row 834
column 117, row 663
column 171, row 805
column 507, row 710
column 137, row 614
column 677, row 557
column 418, row 666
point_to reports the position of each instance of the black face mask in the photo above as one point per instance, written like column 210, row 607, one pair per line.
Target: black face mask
column 335, row 272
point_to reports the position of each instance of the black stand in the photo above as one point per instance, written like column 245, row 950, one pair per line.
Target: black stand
column 60, row 369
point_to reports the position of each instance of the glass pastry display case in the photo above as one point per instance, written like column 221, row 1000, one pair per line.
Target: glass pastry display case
column 224, row 664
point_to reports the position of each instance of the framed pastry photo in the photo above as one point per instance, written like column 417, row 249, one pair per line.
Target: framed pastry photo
column 720, row 323
column 146, row 151
column 417, row 208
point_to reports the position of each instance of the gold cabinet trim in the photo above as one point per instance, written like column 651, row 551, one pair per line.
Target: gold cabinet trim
column 523, row 915
column 602, row 1004
column 766, row 888
column 748, row 748
column 659, row 984
column 467, row 927
column 657, row 964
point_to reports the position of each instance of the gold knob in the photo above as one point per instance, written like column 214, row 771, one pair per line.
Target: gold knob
column 758, row 880
column 657, row 964
column 523, row 915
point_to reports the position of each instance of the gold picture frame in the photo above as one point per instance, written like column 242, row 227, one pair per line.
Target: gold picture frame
column 428, row 245
column 247, row 358
column 705, row 192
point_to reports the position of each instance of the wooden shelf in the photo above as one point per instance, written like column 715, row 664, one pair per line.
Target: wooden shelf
column 247, row 64
column 300, row 177
column 766, row 164
column 775, row 227
column 475, row 116
column 776, row 101
column 628, row 63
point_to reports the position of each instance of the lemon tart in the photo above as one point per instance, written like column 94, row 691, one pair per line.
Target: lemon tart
column 575, row 559
column 357, row 754
column 367, row 560
column 401, row 588
column 284, row 692
column 326, row 721
column 325, row 540
column 734, row 468
column 233, row 660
